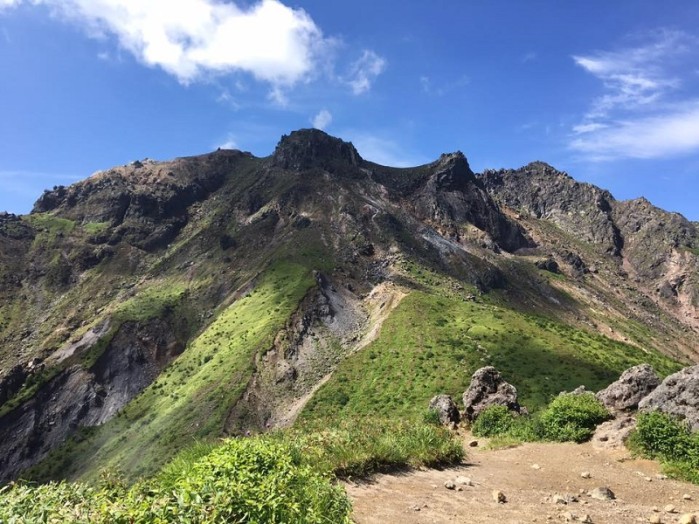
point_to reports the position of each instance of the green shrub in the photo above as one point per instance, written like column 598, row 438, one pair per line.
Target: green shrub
column 670, row 440
column 493, row 421
column 431, row 416
column 572, row 417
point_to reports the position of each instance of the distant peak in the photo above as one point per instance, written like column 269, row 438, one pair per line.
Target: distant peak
column 452, row 170
column 307, row 148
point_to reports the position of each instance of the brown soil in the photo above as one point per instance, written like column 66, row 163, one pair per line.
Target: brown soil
column 529, row 475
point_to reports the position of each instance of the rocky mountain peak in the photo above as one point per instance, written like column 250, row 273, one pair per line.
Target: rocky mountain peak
column 309, row 148
column 452, row 171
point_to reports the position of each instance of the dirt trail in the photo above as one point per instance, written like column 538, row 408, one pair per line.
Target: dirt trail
column 529, row 475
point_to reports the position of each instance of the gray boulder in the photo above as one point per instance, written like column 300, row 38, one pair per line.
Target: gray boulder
column 633, row 385
column 677, row 395
column 487, row 389
column 447, row 409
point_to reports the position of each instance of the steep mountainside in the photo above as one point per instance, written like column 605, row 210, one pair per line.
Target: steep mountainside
column 161, row 302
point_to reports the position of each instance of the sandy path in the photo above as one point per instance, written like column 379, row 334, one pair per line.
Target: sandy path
column 419, row 497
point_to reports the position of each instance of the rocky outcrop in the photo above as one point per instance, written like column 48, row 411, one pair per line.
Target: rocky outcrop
column 633, row 385
column 445, row 406
column 79, row 397
column 677, row 395
column 311, row 148
column 488, row 388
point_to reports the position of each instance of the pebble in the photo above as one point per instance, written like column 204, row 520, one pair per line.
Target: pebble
column 499, row 497
column 536, row 466
column 473, row 444
column 687, row 496
column 568, row 516
column 449, row 485
column 587, row 519
column 602, row 493
column 670, row 509
column 463, row 481
column 688, row 518
column 586, row 475
column 655, row 519
column 558, row 499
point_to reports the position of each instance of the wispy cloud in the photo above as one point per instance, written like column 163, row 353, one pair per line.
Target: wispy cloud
column 531, row 56
column 643, row 94
column 441, row 87
column 364, row 71
column 322, row 120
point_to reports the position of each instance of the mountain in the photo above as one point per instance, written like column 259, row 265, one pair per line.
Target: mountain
column 158, row 303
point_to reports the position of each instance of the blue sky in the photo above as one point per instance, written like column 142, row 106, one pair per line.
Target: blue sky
column 607, row 91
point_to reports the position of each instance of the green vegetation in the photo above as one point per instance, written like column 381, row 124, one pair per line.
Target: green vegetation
column 50, row 224
column 670, row 440
column 434, row 340
column 95, row 228
column 283, row 477
column 567, row 418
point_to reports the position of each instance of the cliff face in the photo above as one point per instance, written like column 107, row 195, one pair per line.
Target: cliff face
column 216, row 293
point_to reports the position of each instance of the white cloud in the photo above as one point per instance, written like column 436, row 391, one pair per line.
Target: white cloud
column 322, row 120
column 529, row 57
column 193, row 39
column 364, row 71
column 443, row 87
column 644, row 111
column 9, row 3
column 228, row 143
column 657, row 136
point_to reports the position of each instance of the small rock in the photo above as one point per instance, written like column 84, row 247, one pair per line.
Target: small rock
column 688, row 518
column 473, row 444
column 686, row 496
column 415, row 507
column 602, row 493
column 655, row 519
column 463, row 481
column 586, row 475
column 655, row 509
column 670, row 509
column 568, row 516
column 587, row 519
column 558, row 499
column 449, row 485
column 661, row 477
column 536, row 466
column 499, row 497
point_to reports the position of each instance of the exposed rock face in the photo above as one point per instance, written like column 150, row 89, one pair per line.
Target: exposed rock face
column 487, row 389
column 677, row 395
column 79, row 397
column 613, row 433
column 548, row 264
column 633, row 385
column 446, row 407
column 311, row 148
column 541, row 191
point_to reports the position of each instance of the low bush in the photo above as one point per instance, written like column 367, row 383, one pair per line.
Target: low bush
column 285, row 477
column 669, row 440
column 572, row 417
column 493, row 421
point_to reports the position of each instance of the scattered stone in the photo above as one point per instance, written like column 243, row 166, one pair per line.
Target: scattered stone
column 655, row 519
column 473, row 444
column 660, row 476
column 688, row 518
column 587, row 519
column 449, row 485
column 633, row 385
column 548, row 264
column 686, row 496
column 415, row 507
column 677, row 395
column 586, row 475
column 568, row 516
column 536, row 466
column 655, row 509
column 670, row 509
column 445, row 406
column 499, row 497
column 602, row 493
column 558, row 499
column 463, row 481
column 487, row 389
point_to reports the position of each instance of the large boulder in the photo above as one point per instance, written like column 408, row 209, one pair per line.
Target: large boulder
column 677, row 395
column 633, row 385
column 487, row 389
column 445, row 406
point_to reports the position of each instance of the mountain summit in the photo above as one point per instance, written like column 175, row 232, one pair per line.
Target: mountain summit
column 159, row 302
